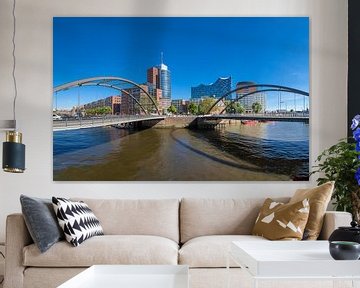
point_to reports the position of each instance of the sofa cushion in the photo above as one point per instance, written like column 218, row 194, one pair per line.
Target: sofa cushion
column 211, row 251
column 158, row 217
column 107, row 249
column 200, row 217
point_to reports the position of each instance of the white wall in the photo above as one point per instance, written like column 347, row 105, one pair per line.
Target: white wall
column 328, row 20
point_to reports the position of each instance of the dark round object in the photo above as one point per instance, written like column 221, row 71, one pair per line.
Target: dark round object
column 353, row 223
column 344, row 250
column 350, row 233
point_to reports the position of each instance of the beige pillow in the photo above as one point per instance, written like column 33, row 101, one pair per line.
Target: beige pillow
column 319, row 198
column 279, row 221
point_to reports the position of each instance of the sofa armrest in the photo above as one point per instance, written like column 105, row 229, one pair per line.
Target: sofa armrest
column 333, row 220
column 17, row 237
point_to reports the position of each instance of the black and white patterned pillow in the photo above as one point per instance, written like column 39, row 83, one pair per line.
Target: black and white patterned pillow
column 77, row 220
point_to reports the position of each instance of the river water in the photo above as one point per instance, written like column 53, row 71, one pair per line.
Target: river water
column 273, row 151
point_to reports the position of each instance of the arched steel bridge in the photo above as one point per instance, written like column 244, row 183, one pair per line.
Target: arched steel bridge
column 109, row 82
column 267, row 88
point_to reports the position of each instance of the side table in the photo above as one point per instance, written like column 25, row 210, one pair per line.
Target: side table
column 294, row 263
column 131, row 276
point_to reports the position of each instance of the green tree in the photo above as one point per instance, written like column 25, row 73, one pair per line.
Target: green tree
column 205, row 105
column 172, row 109
column 235, row 108
column 90, row 112
column 104, row 110
column 239, row 108
column 256, row 107
column 231, row 108
column 107, row 110
column 193, row 108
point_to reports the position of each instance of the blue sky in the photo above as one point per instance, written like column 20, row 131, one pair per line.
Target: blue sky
column 271, row 50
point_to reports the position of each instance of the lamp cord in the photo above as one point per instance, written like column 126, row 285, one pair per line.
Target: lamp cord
column 14, row 60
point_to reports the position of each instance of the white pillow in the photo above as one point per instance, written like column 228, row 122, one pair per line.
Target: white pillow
column 76, row 220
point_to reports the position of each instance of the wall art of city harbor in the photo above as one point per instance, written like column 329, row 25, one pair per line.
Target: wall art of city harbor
column 181, row 99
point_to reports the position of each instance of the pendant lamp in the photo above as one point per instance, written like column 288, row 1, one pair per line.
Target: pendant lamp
column 13, row 159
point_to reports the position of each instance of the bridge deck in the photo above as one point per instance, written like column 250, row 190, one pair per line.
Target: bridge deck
column 265, row 117
column 66, row 124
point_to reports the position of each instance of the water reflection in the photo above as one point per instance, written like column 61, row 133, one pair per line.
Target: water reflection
column 277, row 147
column 265, row 151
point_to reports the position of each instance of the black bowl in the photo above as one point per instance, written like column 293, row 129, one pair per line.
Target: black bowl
column 344, row 250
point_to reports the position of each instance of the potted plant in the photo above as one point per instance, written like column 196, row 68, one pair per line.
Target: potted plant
column 341, row 163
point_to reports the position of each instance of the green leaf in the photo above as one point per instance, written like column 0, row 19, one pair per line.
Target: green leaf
column 339, row 163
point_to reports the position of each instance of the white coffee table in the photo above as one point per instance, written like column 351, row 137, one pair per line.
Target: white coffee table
column 292, row 260
column 131, row 276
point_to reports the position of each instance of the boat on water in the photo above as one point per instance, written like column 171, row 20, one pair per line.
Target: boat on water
column 266, row 121
column 249, row 122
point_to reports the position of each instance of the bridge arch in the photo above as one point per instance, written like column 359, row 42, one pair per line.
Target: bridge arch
column 251, row 93
column 270, row 86
column 109, row 82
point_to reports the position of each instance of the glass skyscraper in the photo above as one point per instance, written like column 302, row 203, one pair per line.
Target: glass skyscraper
column 165, row 81
column 160, row 77
column 217, row 89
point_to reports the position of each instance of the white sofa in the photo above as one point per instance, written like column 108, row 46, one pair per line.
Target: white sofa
column 194, row 232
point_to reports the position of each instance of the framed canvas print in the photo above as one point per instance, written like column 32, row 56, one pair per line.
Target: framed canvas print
column 181, row 98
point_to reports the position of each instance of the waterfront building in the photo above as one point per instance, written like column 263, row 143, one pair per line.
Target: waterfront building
column 248, row 101
column 164, row 104
column 153, row 77
column 95, row 104
column 155, row 92
column 159, row 85
column 114, row 102
column 197, row 101
column 165, row 81
column 63, row 112
column 217, row 89
column 160, row 78
column 77, row 111
column 181, row 105
column 129, row 105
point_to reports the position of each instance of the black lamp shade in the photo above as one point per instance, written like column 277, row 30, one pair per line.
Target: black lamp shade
column 13, row 157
